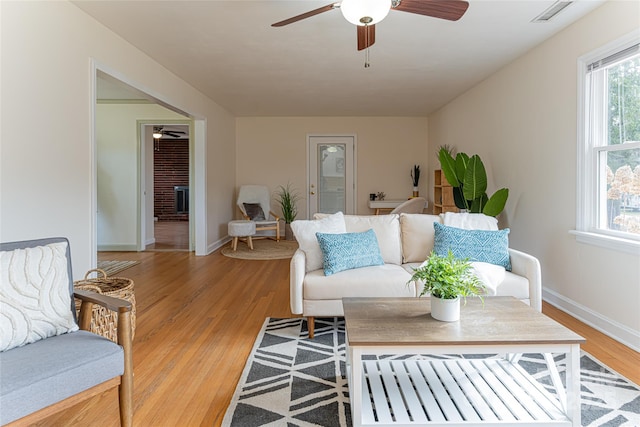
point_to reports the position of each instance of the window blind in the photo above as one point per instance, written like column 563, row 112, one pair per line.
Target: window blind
column 614, row 58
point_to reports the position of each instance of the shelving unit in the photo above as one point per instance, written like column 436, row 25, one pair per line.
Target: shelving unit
column 442, row 195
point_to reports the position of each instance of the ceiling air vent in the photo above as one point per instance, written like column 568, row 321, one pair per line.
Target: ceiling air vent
column 552, row 11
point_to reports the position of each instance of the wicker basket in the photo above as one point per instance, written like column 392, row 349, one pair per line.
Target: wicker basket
column 103, row 321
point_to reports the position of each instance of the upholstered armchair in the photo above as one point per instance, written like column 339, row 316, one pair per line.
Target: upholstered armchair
column 49, row 360
column 254, row 201
column 414, row 205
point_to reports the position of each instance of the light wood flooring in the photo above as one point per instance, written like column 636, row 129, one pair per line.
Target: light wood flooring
column 197, row 319
column 170, row 236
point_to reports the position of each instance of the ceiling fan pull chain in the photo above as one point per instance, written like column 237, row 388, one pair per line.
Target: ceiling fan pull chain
column 366, row 51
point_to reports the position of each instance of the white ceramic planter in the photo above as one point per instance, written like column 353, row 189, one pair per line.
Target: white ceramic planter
column 445, row 310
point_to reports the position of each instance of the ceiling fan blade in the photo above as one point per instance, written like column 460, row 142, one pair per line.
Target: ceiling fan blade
column 366, row 36
column 174, row 133
column 306, row 15
column 451, row 10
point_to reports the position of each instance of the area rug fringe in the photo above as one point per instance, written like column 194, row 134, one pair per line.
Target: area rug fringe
column 113, row 267
column 290, row 380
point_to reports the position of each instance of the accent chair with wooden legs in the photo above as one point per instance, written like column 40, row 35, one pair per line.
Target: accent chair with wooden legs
column 50, row 361
column 254, row 202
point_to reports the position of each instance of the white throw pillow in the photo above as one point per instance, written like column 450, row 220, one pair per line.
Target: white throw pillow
column 34, row 295
column 469, row 221
column 305, row 232
column 387, row 229
column 490, row 274
column 417, row 236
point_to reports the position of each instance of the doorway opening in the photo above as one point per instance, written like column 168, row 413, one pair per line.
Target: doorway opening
column 123, row 204
column 167, row 190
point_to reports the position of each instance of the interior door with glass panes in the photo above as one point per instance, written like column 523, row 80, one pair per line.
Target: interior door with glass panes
column 331, row 174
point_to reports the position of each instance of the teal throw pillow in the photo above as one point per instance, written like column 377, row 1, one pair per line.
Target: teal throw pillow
column 490, row 246
column 346, row 251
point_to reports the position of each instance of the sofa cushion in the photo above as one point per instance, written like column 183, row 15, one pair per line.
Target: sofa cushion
column 348, row 250
column 417, row 234
column 490, row 275
column 469, row 221
column 388, row 280
column 37, row 375
column 514, row 285
column 305, row 233
column 476, row 245
column 34, row 294
column 387, row 229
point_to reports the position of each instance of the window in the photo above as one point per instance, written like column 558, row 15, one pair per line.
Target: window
column 609, row 145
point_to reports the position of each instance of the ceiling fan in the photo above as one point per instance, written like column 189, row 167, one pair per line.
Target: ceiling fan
column 367, row 13
column 159, row 132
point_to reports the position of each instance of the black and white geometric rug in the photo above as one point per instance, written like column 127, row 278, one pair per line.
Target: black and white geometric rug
column 290, row 380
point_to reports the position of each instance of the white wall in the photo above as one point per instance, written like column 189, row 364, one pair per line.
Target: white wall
column 522, row 121
column 273, row 151
column 46, row 168
column 117, row 166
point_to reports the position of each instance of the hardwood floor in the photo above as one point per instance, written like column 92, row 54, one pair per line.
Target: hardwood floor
column 170, row 236
column 197, row 319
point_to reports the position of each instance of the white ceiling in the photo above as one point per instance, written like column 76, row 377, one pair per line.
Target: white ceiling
column 229, row 51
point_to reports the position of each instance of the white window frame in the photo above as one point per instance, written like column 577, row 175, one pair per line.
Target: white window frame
column 587, row 215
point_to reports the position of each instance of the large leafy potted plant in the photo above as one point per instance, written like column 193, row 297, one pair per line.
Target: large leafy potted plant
column 468, row 178
column 447, row 279
column 287, row 198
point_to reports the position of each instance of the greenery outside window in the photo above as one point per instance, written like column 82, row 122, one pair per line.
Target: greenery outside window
column 609, row 146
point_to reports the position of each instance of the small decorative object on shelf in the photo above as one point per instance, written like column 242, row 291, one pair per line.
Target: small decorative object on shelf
column 415, row 179
column 380, row 196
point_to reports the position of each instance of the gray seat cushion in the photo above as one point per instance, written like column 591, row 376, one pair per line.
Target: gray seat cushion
column 37, row 375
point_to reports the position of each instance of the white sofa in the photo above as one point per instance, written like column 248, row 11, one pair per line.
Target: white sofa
column 405, row 241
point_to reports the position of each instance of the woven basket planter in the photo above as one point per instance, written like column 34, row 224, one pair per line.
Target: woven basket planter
column 105, row 322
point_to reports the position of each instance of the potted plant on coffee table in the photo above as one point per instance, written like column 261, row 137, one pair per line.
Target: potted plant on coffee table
column 447, row 279
column 287, row 198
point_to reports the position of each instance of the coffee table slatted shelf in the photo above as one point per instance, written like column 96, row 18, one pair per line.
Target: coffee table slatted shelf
column 419, row 392
column 394, row 390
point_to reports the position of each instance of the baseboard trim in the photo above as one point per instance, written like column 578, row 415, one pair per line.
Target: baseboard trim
column 615, row 330
column 117, row 248
column 217, row 245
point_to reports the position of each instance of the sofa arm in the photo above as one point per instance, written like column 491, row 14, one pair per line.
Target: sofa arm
column 297, row 270
column 122, row 307
column 125, row 339
column 528, row 266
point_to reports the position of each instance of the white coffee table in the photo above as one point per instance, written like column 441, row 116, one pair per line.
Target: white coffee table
column 478, row 392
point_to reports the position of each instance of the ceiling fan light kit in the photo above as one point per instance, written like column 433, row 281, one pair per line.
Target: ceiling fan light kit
column 365, row 12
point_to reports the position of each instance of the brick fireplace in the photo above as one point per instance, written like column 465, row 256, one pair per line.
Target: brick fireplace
column 171, row 179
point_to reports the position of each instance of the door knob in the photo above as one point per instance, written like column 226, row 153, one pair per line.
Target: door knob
column 312, row 193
